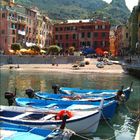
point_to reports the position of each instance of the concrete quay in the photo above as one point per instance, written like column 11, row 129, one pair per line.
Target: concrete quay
column 137, row 137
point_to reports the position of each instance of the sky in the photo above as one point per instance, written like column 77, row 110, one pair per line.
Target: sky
column 130, row 3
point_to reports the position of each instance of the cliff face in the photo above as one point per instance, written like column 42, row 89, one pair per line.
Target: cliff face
column 120, row 4
column 75, row 9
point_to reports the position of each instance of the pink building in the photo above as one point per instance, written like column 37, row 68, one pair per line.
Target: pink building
column 19, row 24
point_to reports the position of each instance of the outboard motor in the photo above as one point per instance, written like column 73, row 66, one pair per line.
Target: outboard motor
column 10, row 97
column 120, row 95
column 29, row 92
column 55, row 88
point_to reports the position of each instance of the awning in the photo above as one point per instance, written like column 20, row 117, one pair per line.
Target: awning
column 29, row 44
column 21, row 32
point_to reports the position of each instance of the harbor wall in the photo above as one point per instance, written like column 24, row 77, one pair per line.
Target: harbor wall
column 38, row 59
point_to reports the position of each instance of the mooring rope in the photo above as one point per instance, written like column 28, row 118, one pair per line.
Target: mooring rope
column 134, row 113
column 83, row 137
column 107, row 122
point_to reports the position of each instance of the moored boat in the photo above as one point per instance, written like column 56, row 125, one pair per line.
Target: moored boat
column 108, row 111
column 88, row 96
column 9, row 131
column 79, row 121
column 69, row 90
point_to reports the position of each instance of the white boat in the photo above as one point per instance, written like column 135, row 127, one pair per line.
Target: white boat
column 82, row 122
column 10, row 131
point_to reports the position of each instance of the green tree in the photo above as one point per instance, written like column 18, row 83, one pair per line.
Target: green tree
column 54, row 50
column 71, row 50
column 15, row 46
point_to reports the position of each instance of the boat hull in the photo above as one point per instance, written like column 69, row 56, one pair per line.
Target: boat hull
column 109, row 107
column 82, row 122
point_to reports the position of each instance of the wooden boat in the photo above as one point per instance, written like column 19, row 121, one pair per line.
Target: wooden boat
column 100, row 65
column 72, row 91
column 9, row 131
column 88, row 96
column 79, row 121
column 68, row 93
column 108, row 111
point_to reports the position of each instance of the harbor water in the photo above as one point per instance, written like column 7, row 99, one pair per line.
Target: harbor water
column 124, row 124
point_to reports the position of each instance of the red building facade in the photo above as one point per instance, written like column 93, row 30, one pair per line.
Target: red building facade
column 83, row 33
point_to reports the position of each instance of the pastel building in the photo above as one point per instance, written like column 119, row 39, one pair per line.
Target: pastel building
column 44, row 31
column 19, row 24
column 112, row 42
column 82, row 33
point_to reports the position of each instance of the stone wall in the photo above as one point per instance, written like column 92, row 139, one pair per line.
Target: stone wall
column 14, row 59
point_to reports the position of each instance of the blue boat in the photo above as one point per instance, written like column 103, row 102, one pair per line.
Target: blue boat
column 83, row 122
column 72, row 91
column 9, row 131
column 93, row 97
column 108, row 111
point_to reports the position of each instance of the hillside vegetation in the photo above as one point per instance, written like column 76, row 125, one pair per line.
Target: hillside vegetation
column 117, row 11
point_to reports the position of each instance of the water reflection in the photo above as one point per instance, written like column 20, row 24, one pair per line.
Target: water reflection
column 120, row 127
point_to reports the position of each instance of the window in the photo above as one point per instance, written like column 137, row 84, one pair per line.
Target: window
column 126, row 35
column 13, row 32
column 67, row 36
column 60, row 37
column 96, row 27
column 103, row 35
column 61, row 29
column 88, row 34
column 83, row 43
column 88, row 43
column 74, row 36
column 103, row 26
column 56, row 29
column 95, row 43
column 3, row 32
column 13, row 26
column 3, row 15
column 83, row 35
column 56, row 37
column 74, row 44
column 13, row 41
column 68, row 28
column 95, row 34
column 103, row 43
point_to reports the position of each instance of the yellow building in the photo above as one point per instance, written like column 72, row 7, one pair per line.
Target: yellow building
column 112, row 42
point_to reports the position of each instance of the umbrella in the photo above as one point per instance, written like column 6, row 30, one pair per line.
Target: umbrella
column 42, row 51
column 11, row 51
column 23, row 50
column 99, row 51
column 105, row 52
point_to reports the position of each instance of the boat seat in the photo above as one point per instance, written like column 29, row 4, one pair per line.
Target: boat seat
column 22, row 115
column 47, row 117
